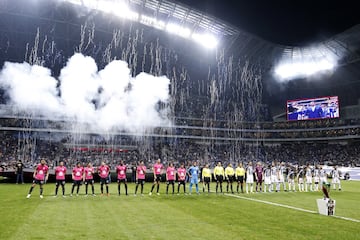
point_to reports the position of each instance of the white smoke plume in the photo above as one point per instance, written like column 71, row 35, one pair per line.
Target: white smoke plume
column 106, row 100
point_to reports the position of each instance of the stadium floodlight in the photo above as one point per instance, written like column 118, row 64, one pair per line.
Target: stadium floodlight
column 178, row 30
column 151, row 21
column 304, row 62
column 121, row 9
column 207, row 40
column 300, row 69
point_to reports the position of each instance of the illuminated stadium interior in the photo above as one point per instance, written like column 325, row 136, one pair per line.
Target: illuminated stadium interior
column 227, row 88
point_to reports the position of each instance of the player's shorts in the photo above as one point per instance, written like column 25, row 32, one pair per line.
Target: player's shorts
column 240, row 179
column 301, row 180
column 335, row 181
column 259, row 180
column 219, row 178
column 194, row 180
column 206, row 179
column 170, row 182
column 230, row 179
column 157, row 178
column 250, row 179
column 89, row 181
column 291, row 181
column 274, row 179
column 60, row 182
column 77, row 182
column 267, row 180
column 308, row 180
column 316, row 180
column 140, row 181
column 323, row 179
column 124, row 180
column 281, row 179
column 36, row 181
column 104, row 180
column 181, row 182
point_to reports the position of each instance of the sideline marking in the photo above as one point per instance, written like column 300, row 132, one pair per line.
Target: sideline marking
column 288, row 206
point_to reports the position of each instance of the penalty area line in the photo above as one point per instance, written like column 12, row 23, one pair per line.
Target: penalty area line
column 288, row 206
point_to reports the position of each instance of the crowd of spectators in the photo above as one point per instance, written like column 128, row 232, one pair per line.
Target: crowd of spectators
column 177, row 151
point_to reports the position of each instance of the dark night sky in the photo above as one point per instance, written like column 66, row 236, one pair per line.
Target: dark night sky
column 290, row 22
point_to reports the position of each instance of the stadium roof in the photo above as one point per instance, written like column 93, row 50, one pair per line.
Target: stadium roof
column 252, row 41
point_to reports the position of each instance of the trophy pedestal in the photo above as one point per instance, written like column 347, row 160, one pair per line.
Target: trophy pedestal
column 326, row 206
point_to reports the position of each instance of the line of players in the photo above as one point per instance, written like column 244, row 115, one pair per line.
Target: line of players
column 273, row 176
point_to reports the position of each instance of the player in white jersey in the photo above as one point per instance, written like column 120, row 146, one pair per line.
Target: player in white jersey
column 274, row 177
column 323, row 176
column 316, row 174
column 267, row 178
column 291, row 179
column 335, row 174
column 249, row 178
column 308, row 177
column 300, row 177
column 280, row 176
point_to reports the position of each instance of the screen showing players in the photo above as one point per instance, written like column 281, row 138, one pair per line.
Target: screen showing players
column 313, row 108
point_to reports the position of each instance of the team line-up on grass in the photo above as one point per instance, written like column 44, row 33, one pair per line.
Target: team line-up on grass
column 265, row 179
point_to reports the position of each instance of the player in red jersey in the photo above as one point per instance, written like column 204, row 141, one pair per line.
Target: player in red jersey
column 77, row 176
column 140, row 177
column 181, row 172
column 88, row 179
column 170, row 177
column 121, row 176
column 104, row 171
column 60, row 172
column 40, row 175
column 157, row 169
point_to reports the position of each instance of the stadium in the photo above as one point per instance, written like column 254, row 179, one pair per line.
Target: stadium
column 92, row 81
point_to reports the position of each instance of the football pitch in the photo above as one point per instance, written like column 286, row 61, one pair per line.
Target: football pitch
column 205, row 216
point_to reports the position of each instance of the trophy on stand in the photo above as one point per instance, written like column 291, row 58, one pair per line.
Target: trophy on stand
column 326, row 206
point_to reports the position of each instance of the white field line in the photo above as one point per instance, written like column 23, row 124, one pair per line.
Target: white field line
column 287, row 206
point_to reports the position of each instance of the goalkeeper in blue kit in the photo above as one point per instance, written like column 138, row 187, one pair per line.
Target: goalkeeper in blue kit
column 194, row 177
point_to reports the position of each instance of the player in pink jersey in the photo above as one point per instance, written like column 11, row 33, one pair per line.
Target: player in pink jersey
column 157, row 170
column 181, row 172
column 104, row 171
column 121, row 176
column 77, row 177
column 140, row 177
column 60, row 172
column 40, row 175
column 170, row 177
column 88, row 179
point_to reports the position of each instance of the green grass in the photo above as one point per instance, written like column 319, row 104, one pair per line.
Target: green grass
column 173, row 217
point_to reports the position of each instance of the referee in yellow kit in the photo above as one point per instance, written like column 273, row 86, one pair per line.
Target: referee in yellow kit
column 219, row 176
column 206, row 177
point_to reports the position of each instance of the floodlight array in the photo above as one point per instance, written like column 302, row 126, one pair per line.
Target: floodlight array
column 121, row 9
column 305, row 62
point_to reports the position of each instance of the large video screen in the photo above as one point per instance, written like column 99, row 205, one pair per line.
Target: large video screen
column 313, row 108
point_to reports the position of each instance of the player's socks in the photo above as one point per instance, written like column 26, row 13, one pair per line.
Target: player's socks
column 126, row 189
column 31, row 189
column 136, row 188
column 152, row 188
